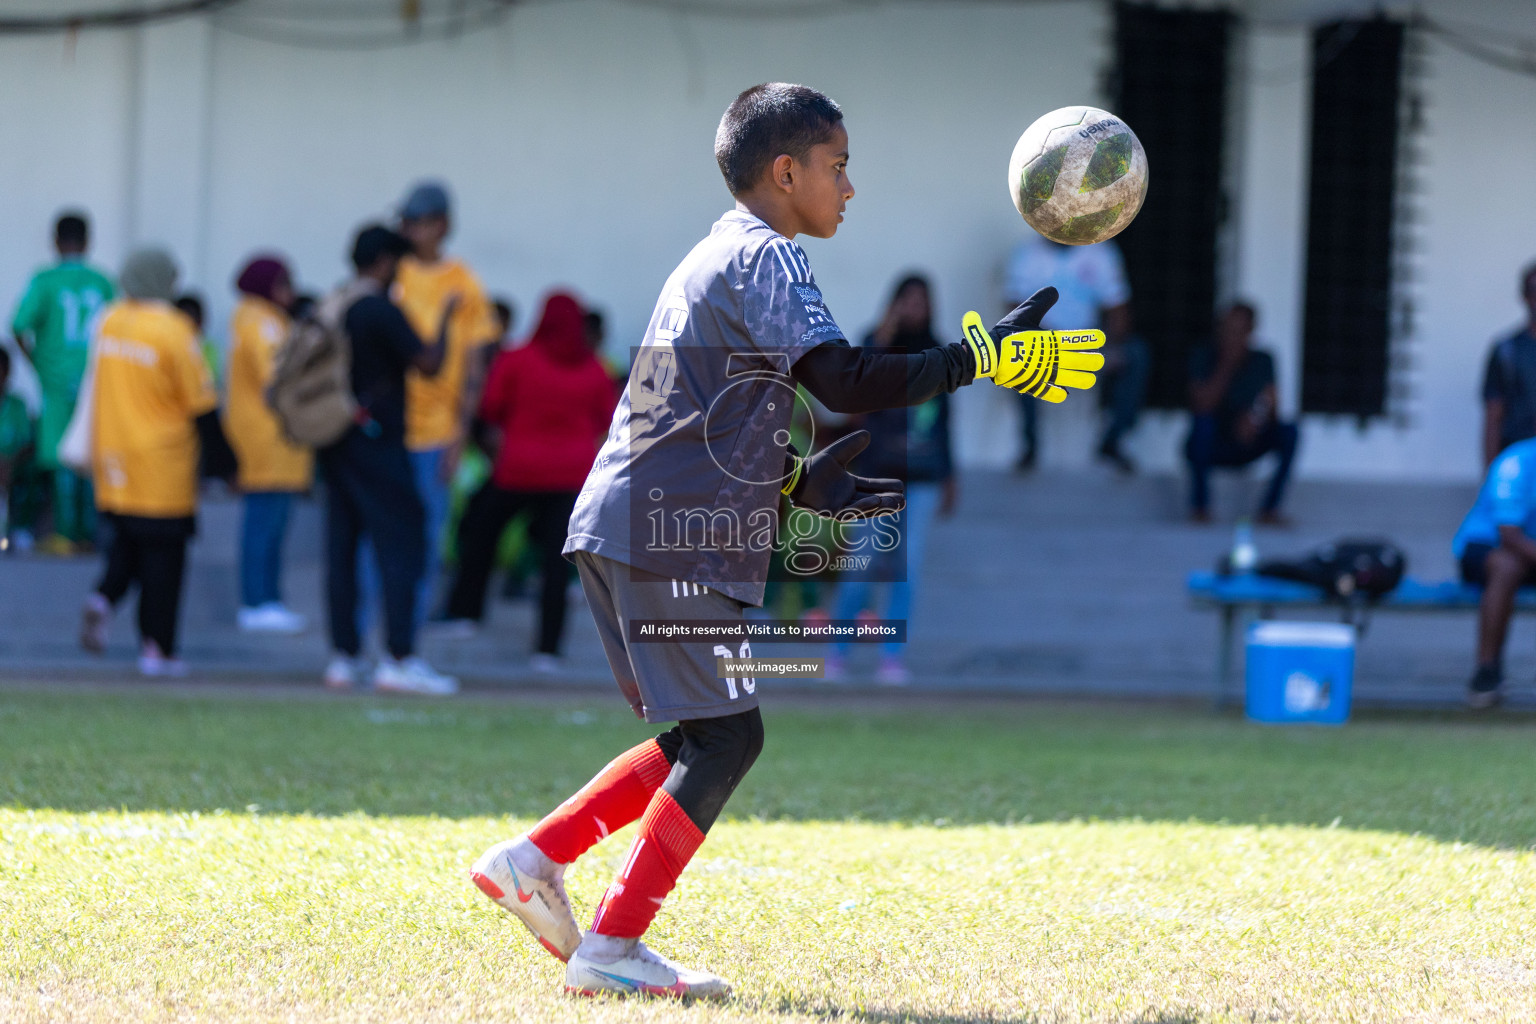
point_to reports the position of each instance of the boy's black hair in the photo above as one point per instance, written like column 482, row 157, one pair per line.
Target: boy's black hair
column 72, row 231
column 1525, row 278
column 765, row 121
column 192, row 305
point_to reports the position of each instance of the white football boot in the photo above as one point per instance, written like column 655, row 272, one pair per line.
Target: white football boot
column 603, row 963
column 530, row 887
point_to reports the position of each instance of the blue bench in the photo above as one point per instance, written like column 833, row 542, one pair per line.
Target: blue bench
column 1241, row 599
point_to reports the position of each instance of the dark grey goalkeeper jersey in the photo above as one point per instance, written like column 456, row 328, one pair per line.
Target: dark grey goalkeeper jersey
column 686, row 485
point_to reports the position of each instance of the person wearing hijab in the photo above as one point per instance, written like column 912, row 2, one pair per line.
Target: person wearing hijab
column 552, row 401
column 905, row 444
column 272, row 470
column 153, row 419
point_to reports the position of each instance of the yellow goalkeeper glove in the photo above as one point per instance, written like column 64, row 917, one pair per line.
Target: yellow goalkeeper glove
column 1016, row 354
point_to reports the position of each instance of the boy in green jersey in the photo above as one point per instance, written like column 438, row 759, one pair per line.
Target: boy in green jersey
column 53, row 327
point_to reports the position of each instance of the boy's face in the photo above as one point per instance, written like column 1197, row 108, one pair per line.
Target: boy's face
column 821, row 186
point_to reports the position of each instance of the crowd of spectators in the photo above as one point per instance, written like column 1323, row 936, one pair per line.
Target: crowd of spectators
column 140, row 409
column 128, row 372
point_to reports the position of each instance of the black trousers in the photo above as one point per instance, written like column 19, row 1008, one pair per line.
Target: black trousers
column 370, row 490
column 486, row 516
column 1207, row 447
column 151, row 552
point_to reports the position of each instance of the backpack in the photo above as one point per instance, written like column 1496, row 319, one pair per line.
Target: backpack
column 1353, row 570
column 310, row 390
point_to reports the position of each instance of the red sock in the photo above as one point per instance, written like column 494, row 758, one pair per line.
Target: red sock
column 616, row 796
column 665, row 845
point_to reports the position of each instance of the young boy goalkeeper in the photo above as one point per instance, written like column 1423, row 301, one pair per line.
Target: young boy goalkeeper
column 701, row 437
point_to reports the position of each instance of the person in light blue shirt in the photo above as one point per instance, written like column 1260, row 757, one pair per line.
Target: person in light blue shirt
column 1496, row 545
column 1092, row 291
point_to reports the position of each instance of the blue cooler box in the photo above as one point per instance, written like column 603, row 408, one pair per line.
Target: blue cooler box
column 1300, row 671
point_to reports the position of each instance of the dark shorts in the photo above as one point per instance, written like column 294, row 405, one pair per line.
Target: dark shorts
column 670, row 681
column 1474, row 566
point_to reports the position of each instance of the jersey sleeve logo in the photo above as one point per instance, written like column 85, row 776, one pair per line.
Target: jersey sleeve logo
column 673, row 320
column 655, row 370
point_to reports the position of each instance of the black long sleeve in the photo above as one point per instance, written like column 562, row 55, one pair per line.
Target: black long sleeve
column 857, row 380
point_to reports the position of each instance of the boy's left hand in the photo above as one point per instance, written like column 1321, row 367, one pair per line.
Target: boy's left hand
column 823, row 485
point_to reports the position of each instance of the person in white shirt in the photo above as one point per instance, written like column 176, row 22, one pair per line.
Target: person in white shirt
column 1091, row 282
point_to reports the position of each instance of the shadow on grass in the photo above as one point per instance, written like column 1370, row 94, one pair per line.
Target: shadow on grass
column 1453, row 777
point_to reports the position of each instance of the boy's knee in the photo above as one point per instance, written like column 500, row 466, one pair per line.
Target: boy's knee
column 738, row 736
column 714, row 756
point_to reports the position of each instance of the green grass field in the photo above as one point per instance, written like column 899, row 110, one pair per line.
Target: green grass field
column 254, row 858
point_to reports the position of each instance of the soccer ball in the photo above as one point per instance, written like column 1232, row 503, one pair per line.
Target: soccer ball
column 1078, row 175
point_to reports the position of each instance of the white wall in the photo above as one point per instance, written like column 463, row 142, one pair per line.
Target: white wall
column 577, row 139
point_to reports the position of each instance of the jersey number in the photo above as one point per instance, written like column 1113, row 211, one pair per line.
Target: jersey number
column 78, row 310
column 749, row 685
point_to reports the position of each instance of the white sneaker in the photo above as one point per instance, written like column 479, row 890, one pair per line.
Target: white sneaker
column 531, row 887
column 95, row 619
column 545, row 664
column 343, row 673
column 627, row 967
column 274, row 617
column 412, row 675
column 154, row 664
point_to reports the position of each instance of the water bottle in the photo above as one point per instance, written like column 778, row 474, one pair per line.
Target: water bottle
column 1245, row 553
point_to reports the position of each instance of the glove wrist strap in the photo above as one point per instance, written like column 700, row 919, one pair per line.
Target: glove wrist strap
column 981, row 345
column 794, row 477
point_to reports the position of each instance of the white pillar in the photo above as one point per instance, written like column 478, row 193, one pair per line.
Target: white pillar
column 1272, row 206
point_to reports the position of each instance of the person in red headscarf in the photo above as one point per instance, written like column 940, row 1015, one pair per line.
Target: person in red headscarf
column 272, row 470
column 552, row 401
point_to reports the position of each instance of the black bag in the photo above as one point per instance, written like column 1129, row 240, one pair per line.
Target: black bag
column 1353, row 569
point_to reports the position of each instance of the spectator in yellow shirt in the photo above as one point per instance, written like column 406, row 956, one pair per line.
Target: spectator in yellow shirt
column 272, row 471
column 438, row 409
column 154, row 412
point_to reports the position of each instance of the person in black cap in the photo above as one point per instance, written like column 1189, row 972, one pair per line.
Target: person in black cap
column 370, row 486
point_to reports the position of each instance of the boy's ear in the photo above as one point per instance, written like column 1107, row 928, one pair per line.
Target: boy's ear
column 781, row 172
